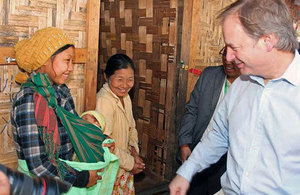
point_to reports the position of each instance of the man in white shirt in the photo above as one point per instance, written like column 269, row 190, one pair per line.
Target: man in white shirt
column 258, row 123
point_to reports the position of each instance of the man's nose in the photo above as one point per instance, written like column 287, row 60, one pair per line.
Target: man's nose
column 230, row 55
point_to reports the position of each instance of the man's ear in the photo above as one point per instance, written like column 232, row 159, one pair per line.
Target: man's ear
column 270, row 41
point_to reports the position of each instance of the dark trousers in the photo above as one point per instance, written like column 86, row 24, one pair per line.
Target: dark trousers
column 207, row 182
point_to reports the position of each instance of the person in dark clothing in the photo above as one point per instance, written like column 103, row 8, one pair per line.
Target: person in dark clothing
column 208, row 92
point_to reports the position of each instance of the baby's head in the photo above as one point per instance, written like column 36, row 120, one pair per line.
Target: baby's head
column 94, row 117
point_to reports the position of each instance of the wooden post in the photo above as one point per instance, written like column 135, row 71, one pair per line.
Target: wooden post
column 174, row 74
column 91, row 67
column 191, row 54
column 185, row 18
column 186, row 50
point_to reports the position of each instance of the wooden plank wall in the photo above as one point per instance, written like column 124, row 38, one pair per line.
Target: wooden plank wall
column 19, row 19
column 145, row 30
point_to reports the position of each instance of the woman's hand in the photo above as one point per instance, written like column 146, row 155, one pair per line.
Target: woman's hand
column 94, row 177
column 133, row 152
column 111, row 146
column 139, row 164
column 137, row 168
column 139, row 160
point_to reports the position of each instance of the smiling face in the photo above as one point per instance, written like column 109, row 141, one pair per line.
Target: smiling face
column 246, row 53
column 121, row 81
column 230, row 68
column 59, row 66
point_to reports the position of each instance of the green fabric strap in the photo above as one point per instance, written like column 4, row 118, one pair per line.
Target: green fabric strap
column 103, row 186
column 86, row 138
column 226, row 86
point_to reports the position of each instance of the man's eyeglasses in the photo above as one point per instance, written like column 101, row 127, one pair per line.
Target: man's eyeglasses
column 222, row 52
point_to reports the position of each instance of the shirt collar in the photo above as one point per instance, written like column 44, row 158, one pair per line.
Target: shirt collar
column 107, row 88
column 291, row 74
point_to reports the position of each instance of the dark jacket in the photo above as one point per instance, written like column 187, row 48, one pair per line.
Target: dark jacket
column 199, row 110
column 201, row 106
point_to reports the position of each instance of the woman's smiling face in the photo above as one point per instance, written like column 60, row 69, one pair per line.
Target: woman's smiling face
column 59, row 66
column 121, row 81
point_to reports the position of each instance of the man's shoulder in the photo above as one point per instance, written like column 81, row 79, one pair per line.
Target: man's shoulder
column 215, row 71
column 214, row 68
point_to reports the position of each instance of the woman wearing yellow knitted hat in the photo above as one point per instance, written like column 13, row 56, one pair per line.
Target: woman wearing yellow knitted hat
column 37, row 54
column 45, row 124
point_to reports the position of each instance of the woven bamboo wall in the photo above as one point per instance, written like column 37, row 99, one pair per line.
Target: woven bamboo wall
column 207, row 40
column 19, row 19
column 210, row 39
column 145, row 30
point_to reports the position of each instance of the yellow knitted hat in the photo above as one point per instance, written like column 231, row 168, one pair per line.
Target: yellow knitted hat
column 34, row 52
column 100, row 118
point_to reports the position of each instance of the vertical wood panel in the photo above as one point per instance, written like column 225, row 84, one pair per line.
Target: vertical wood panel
column 90, row 88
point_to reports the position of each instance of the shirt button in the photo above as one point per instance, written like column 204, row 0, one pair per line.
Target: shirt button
column 247, row 174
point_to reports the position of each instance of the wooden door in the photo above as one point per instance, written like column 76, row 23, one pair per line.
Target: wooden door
column 146, row 31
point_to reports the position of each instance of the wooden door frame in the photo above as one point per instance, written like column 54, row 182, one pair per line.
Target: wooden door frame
column 185, row 53
column 184, row 18
column 92, row 45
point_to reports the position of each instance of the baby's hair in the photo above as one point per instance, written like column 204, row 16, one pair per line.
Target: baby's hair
column 98, row 116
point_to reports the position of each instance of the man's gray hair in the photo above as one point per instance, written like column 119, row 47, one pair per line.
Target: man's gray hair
column 262, row 17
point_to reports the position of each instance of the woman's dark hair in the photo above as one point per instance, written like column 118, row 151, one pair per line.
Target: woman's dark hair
column 62, row 49
column 117, row 62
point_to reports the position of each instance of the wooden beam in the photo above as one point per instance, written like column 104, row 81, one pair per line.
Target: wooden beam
column 186, row 30
column 192, row 53
column 91, row 67
column 184, row 18
column 174, row 74
column 80, row 55
column 6, row 52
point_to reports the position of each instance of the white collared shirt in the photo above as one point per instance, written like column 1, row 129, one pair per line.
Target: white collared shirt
column 259, row 125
